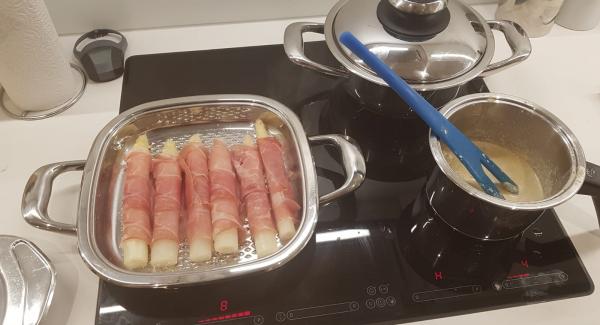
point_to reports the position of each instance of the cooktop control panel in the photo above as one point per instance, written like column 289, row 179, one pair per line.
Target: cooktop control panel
column 356, row 280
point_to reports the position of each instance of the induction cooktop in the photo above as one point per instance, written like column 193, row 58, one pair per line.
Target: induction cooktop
column 363, row 265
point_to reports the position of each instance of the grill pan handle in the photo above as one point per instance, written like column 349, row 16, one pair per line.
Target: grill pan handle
column 36, row 196
column 591, row 186
column 352, row 159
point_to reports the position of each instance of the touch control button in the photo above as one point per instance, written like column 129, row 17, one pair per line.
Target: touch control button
column 371, row 291
column 258, row 320
column 383, row 289
column 391, row 301
column 380, row 302
column 280, row 316
column 370, row 303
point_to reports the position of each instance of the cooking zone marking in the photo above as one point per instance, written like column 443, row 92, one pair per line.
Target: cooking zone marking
column 324, row 310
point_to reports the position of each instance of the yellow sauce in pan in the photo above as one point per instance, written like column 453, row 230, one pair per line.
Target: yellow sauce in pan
column 515, row 166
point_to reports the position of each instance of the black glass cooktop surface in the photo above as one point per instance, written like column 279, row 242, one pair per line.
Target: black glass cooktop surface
column 378, row 255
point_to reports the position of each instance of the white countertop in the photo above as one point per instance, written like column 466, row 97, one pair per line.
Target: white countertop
column 562, row 74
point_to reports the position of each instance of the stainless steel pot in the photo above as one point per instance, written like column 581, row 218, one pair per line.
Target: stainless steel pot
column 432, row 44
column 527, row 130
column 230, row 117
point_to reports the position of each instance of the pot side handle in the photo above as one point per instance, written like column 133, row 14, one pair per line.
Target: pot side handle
column 353, row 161
column 517, row 40
column 591, row 186
column 36, row 196
column 293, row 44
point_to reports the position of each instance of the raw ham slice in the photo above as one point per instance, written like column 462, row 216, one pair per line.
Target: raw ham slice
column 198, row 225
column 283, row 201
column 167, row 207
column 224, row 198
column 137, row 203
column 247, row 164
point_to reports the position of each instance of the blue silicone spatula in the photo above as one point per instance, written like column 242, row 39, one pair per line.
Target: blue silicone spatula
column 466, row 151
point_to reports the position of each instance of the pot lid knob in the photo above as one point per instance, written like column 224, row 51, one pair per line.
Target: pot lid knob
column 419, row 7
column 413, row 20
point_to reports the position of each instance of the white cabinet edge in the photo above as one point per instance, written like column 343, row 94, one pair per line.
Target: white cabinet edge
column 76, row 17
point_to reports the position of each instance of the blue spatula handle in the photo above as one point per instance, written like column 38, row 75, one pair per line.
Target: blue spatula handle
column 462, row 147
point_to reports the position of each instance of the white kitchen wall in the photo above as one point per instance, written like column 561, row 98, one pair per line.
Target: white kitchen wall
column 78, row 16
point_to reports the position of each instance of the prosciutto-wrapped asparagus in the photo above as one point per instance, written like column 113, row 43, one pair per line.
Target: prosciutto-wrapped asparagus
column 283, row 201
column 247, row 164
column 198, row 224
column 167, row 207
column 224, row 200
column 137, row 203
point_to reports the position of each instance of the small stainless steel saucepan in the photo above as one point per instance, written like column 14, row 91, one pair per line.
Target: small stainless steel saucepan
column 229, row 117
column 527, row 130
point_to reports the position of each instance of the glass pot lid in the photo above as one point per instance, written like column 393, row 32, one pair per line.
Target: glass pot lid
column 432, row 44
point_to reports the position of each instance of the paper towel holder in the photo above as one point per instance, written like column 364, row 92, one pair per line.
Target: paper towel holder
column 14, row 111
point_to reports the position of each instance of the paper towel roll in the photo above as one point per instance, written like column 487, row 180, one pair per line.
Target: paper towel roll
column 33, row 69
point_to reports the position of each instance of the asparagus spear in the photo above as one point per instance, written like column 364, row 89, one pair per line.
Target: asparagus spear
column 200, row 247
column 264, row 240
column 285, row 223
column 225, row 241
column 135, row 250
column 164, row 251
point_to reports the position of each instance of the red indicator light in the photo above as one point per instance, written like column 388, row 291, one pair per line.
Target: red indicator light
column 224, row 317
column 516, row 276
column 525, row 263
column 438, row 276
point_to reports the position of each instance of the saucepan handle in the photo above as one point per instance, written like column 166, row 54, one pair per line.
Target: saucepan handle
column 293, row 44
column 517, row 40
column 36, row 196
column 591, row 186
column 352, row 159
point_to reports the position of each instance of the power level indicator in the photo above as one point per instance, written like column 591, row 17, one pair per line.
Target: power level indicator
column 555, row 277
column 226, row 317
column 446, row 293
column 224, row 305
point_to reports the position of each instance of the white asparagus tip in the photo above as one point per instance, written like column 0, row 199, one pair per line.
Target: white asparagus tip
column 226, row 242
column 169, row 148
column 200, row 250
column 135, row 253
column 195, row 138
column 261, row 130
column 248, row 140
column 164, row 253
column 265, row 242
column 141, row 143
column 286, row 229
column 219, row 141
